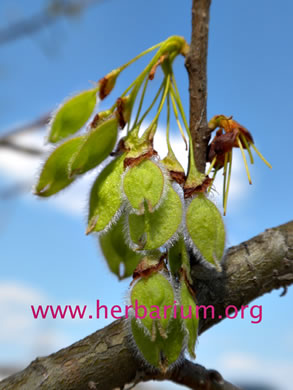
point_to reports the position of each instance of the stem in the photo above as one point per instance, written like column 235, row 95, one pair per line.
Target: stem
column 196, row 64
column 177, row 120
column 140, row 55
column 179, row 103
column 168, row 123
column 166, row 90
column 152, row 104
column 175, row 94
column 141, row 101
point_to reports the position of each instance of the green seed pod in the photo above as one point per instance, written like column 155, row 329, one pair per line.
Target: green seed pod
column 116, row 251
column 179, row 259
column 144, row 183
column 158, row 333
column 96, row 148
column 54, row 175
column 190, row 321
column 153, row 293
column 206, row 229
column 105, row 197
column 161, row 353
column 149, row 349
column 153, row 230
column 72, row 115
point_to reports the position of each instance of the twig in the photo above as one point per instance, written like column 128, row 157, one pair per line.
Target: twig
column 50, row 15
column 196, row 64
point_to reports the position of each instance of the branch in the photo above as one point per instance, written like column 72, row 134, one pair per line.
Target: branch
column 43, row 19
column 196, row 64
column 9, row 140
column 105, row 360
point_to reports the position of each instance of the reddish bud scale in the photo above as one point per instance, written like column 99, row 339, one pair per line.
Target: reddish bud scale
column 188, row 192
column 132, row 161
column 144, row 269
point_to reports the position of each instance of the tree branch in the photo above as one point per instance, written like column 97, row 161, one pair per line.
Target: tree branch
column 105, row 360
column 9, row 140
column 50, row 15
column 196, row 64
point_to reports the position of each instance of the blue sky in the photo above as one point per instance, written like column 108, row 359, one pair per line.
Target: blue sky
column 45, row 256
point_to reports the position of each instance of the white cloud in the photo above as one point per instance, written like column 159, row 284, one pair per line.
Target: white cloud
column 15, row 292
column 21, row 336
column 253, row 369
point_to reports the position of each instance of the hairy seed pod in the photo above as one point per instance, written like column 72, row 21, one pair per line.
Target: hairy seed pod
column 179, row 259
column 97, row 146
column 72, row 115
column 153, row 230
column 117, row 253
column 158, row 336
column 105, row 197
column 206, row 229
column 153, row 292
column 144, row 183
column 189, row 317
column 54, row 175
column 161, row 353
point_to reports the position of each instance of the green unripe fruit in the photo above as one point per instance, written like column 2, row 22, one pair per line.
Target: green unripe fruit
column 116, row 251
column 160, row 337
column 54, row 175
column 144, row 183
column 105, row 197
column 161, row 352
column 206, row 229
column 153, row 293
column 190, row 322
column 72, row 115
column 97, row 146
column 152, row 230
column 179, row 259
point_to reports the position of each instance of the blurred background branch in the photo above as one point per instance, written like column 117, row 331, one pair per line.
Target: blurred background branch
column 55, row 10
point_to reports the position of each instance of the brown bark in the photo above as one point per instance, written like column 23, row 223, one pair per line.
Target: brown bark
column 105, row 360
column 196, row 64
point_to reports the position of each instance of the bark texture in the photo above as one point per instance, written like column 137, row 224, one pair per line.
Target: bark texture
column 105, row 360
column 196, row 64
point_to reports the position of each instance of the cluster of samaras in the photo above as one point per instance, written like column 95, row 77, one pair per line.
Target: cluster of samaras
column 151, row 213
